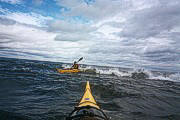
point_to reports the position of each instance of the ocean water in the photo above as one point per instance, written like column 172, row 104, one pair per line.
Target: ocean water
column 34, row 90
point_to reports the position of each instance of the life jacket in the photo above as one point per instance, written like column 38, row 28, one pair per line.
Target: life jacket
column 75, row 66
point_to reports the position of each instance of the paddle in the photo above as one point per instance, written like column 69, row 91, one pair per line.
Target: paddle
column 80, row 59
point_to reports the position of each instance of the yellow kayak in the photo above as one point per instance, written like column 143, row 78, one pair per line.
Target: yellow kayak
column 87, row 109
column 89, row 71
column 68, row 70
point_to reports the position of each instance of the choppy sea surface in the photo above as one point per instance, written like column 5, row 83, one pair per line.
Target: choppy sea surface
column 34, row 90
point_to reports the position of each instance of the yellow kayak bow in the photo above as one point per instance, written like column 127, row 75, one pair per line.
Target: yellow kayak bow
column 88, row 99
column 87, row 108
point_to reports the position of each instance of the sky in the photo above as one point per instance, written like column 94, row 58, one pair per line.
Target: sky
column 125, row 33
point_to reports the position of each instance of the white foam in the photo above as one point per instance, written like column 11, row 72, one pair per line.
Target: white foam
column 66, row 66
column 111, row 71
column 160, row 76
column 175, row 77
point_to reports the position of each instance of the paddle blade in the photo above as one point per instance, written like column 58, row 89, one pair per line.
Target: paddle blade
column 80, row 59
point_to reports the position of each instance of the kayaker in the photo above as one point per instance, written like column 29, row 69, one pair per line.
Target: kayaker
column 75, row 66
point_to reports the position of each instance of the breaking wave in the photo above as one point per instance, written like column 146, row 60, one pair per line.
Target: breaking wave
column 130, row 72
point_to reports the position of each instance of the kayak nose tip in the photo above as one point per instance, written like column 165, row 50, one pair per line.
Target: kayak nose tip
column 87, row 85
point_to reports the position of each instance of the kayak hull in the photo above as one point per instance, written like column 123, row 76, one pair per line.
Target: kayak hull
column 89, row 71
column 68, row 70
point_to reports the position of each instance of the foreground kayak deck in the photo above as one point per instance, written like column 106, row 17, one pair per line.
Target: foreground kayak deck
column 87, row 98
column 87, row 109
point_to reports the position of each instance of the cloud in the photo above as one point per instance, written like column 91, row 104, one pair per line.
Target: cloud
column 71, row 31
column 26, row 18
column 98, row 10
column 6, row 21
column 21, row 41
column 74, row 37
column 37, row 2
column 151, row 29
column 65, row 26
column 152, row 21
column 22, row 38
column 12, row 1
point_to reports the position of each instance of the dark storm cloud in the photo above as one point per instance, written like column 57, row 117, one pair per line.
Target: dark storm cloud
column 152, row 21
